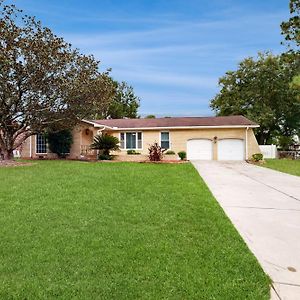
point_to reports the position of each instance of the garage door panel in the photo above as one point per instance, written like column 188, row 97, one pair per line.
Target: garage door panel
column 199, row 149
column 231, row 149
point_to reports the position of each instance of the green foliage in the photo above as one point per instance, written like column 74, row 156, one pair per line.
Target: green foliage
column 102, row 156
column 257, row 157
column 105, row 143
column 291, row 28
column 260, row 90
column 295, row 84
column 285, row 142
column 155, row 152
column 170, row 152
column 60, row 142
column 133, row 152
column 182, row 155
column 150, row 117
column 43, row 80
column 125, row 103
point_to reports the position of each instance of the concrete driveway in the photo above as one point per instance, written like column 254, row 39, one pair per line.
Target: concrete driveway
column 264, row 206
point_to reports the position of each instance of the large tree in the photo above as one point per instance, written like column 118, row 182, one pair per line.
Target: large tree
column 260, row 89
column 43, row 81
column 125, row 103
column 291, row 28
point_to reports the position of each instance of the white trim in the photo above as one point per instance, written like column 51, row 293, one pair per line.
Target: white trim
column 136, row 140
column 180, row 127
column 170, row 145
column 97, row 125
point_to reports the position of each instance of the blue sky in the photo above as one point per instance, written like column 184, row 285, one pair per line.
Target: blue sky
column 171, row 51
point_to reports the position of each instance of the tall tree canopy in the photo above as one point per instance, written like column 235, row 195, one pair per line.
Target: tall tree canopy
column 291, row 28
column 43, row 81
column 261, row 90
column 125, row 103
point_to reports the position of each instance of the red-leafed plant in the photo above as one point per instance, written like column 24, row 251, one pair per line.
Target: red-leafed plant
column 155, row 152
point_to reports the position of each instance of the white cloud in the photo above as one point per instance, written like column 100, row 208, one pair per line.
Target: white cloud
column 164, row 78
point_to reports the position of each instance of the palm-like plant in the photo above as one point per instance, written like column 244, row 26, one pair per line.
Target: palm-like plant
column 105, row 143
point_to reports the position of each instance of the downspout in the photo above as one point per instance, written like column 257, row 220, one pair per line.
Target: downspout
column 246, row 141
column 99, row 131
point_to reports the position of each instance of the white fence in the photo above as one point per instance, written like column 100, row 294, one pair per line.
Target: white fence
column 268, row 151
column 17, row 154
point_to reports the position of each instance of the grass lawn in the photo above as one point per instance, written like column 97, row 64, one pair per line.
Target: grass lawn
column 284, row 165
column 75, row 230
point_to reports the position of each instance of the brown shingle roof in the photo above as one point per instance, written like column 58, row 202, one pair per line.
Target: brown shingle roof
column 176, row 122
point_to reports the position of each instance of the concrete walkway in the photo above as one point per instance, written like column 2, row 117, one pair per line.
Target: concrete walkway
column 264, row 206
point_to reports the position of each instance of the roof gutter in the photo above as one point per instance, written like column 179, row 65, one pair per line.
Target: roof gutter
column 183, row 127
column 167, row 127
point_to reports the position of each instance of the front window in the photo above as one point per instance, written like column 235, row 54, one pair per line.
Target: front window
column 41, row 144
column 165, row 140
column 131, row 140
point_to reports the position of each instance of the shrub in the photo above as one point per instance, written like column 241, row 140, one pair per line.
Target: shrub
column 155, row 152
column 60, row 142
column 285, row 142
column 170, row 152
column 104, row 157
column 257, row 157
column 132, row 152
column 182, row 155
column 105, row 143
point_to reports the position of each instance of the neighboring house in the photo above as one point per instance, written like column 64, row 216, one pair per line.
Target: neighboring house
column 206, row 138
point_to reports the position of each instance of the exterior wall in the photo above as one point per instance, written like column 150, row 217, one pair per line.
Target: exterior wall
column 252, row 144
column 83, row 136
column 81, row 141
column 28, row 150
column 84, row 133
column 179, row 138
column 25, row 148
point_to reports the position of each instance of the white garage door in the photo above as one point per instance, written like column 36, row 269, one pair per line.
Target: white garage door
column 199, row 149
column 231, row 149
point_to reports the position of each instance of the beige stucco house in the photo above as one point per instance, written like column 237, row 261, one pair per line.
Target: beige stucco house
column 204, row 138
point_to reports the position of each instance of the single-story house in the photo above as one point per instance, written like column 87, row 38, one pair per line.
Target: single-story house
column 203, row 138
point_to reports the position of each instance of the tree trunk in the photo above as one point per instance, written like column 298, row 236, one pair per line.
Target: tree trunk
column 8, row 154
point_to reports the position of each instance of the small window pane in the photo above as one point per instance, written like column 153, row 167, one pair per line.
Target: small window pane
column 130, row 140
column 165, row 145
column 139, row 142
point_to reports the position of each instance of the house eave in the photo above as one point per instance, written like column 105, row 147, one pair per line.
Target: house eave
column 183, row 127
column 114, row 128
column 96, row 125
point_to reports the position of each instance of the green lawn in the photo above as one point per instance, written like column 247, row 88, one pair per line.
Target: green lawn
column 284, row 165
column 75, row 230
